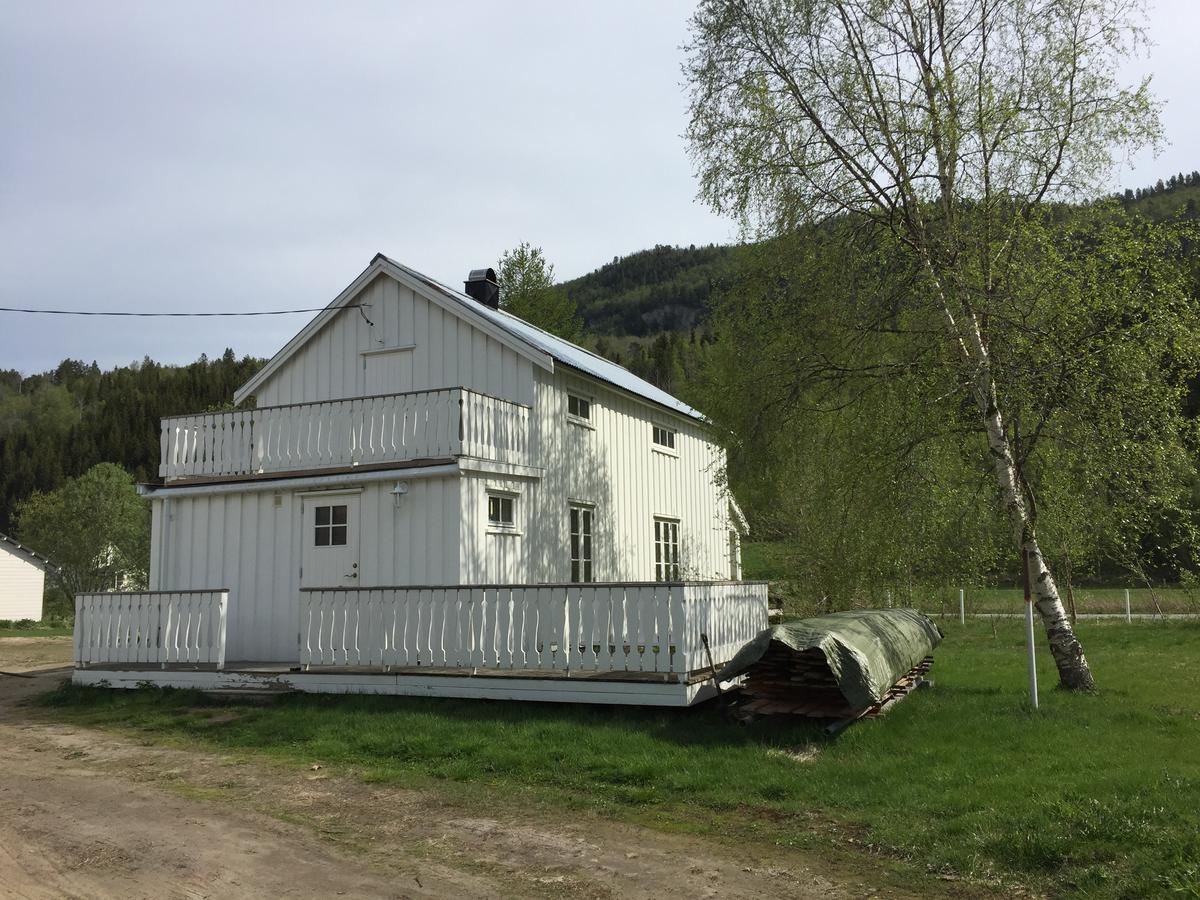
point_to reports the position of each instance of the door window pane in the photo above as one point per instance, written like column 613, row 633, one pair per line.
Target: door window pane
column 331, row 526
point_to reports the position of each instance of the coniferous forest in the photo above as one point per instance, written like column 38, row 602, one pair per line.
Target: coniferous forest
column 58, row 424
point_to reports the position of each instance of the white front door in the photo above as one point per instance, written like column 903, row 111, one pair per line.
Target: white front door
column 330, row 541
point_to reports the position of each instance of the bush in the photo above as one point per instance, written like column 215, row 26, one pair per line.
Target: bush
column 6, row 623
column 57, row 604
column 25, row 624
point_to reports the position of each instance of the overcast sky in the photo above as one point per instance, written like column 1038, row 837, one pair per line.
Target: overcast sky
column 225, row 156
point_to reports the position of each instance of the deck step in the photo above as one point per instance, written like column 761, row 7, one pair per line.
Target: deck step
column 253, row 695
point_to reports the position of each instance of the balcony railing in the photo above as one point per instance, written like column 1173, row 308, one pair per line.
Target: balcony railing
column 342, row 433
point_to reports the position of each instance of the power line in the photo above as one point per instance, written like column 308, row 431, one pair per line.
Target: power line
column 86, row 312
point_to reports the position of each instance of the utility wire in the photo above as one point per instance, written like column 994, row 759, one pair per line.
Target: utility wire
column 84, row 312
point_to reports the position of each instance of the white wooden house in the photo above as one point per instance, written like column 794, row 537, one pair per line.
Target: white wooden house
column 430, row 495
column 22, row 581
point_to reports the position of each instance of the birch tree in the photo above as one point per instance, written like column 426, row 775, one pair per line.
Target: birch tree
column 527, row 290
column 949, row 125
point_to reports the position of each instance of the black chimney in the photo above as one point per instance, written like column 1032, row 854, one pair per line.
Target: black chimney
column 481, row 285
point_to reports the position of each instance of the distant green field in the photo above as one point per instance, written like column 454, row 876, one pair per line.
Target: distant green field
column 766, row 561
column 1093, row 796
column 1087, row 600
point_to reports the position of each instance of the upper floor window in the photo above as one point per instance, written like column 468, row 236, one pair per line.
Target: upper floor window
column 666, row 549
column 579, row 409
column 501, row 511
column 664, row 438
column 582, row 517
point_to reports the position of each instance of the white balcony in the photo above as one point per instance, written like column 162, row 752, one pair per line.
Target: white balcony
column 339, row 434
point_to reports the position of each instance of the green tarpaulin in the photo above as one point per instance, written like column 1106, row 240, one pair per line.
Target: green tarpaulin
column 868, row 650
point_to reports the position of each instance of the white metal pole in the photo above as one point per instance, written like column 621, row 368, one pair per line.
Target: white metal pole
column 1033, row 691
column 1128, row 614
column 962, row 607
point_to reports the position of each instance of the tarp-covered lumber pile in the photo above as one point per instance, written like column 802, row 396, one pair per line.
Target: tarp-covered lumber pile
column 838, row 666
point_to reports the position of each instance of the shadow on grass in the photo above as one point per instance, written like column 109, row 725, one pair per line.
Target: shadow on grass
column 707, row 725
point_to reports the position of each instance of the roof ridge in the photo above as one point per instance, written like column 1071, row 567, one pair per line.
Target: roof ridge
column 676, row 405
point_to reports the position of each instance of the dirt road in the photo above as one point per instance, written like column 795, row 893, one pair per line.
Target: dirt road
column 88, row 814
column 19, row 654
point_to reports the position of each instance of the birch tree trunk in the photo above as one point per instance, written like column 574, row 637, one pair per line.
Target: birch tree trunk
column 1073, row 670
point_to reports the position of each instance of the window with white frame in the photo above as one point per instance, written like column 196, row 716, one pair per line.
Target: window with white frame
column 582, row 518
column 666, row 549
column 664, row 438
column 330, row 526
column 579, row 408
column 501, row 510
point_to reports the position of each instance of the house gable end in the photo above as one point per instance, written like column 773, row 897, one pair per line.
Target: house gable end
column 381, row 314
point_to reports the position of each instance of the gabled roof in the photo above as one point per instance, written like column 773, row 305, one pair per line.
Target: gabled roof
column 541, row 347
column 21, row 550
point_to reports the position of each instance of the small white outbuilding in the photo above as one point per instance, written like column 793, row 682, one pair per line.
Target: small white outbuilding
column 22, row 580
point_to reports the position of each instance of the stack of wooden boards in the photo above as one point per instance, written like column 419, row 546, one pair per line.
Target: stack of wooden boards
column 841, row 665
column 800, row 683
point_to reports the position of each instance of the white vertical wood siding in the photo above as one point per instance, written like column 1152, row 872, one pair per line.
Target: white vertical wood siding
column 442, row 351
column 245, row 541
column 21, row 586
column 612, row 465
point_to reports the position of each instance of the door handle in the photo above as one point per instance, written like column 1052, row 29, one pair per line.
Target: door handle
column 351, row 574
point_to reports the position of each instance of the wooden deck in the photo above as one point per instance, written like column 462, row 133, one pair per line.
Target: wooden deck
column 637, row 643
column 635, row 688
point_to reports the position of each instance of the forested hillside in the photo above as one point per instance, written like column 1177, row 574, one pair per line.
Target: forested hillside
column 646, row 310
column 59, row 424
column 661, row 289
column 667, row 288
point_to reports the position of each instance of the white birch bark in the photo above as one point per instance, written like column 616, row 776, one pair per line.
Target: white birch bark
column 1073, row 670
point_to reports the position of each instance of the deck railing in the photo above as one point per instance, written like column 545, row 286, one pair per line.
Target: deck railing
column 578, row 627
column 151, row 627
column 341, row 433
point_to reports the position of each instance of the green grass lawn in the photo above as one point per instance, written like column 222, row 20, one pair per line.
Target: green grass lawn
column 1095, row 795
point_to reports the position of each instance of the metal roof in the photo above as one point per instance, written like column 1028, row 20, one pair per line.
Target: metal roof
column 20, row 548
column 563, row 351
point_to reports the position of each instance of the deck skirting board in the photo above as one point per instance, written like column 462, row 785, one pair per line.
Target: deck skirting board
column 627, row 693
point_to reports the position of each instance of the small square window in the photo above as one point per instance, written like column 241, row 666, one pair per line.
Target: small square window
column 500, row 511
column 579, row 408
column 664, row 437
column 330, row 527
